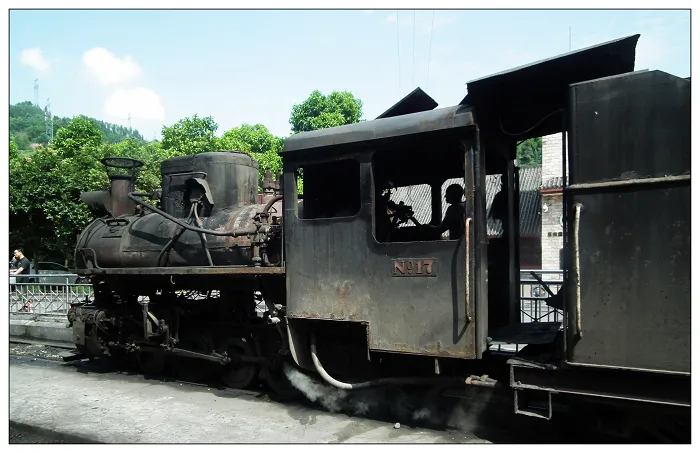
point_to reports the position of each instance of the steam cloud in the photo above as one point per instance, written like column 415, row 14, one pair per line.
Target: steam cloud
column 422, row 406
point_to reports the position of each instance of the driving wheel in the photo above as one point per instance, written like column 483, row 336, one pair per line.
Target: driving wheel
column 280, row 385
column 237, row 374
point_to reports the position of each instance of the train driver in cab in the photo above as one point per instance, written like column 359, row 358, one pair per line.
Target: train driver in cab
column 454, row 217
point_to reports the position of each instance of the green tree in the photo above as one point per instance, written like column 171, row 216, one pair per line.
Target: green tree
column 191, row 136
column 151, row 154
column 14, row 150
column 320, row 112
column 79, row 134
column 46, row 213
column 257, row 141
column 529, row 153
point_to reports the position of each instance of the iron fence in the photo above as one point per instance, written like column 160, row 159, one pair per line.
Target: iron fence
column 53, row 294
column 49, row 294
column 533, row 293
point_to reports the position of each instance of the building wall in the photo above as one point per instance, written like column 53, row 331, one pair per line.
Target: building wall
column 552, row 229
column 551, row 157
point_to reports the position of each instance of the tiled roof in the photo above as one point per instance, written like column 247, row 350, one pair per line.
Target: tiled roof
column 530, row 220
column 553, row 183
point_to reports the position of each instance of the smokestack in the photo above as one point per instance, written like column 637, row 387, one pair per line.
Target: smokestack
column 120, row 186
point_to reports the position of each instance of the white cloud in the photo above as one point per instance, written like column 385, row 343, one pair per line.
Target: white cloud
column 651, row 51
column 35, row 59
column 140, row 103
column 108, row 68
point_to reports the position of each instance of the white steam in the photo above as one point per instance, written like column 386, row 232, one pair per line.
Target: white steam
column 423, row 406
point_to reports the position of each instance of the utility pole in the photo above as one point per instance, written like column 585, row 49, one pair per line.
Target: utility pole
column 36, row 92
column 48, row 120
column 129, row 121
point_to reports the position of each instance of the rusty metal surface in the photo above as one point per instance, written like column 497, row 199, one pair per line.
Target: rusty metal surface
column 120, row 187
column 338, row 271
column 634, row 241
column 232, row 177
column 138, row 241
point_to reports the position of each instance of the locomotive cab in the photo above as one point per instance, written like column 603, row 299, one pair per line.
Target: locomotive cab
column 360, row 254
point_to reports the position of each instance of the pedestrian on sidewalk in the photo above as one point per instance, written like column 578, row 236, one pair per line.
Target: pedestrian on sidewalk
column 22, row 271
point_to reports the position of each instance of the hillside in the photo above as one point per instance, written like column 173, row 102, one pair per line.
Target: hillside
column 27, row 126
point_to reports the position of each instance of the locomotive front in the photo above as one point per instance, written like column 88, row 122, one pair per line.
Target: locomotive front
column 209, row 216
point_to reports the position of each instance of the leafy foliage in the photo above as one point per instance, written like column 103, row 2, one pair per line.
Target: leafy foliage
column 529, row 153
column 27, row 125
column 191, row 136
column 80, row 133
column 320, row 112
column 45, row 210
column 257, row 141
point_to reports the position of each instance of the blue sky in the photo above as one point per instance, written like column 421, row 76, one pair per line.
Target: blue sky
column 252, row 66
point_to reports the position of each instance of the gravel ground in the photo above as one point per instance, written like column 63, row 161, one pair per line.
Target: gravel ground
column 37, row 351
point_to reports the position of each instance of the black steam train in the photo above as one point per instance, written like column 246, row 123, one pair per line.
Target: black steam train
column 343, row 282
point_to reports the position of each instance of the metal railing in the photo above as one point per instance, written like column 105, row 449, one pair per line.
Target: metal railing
column 49, row 294
column 533, row 307
column 53, row 293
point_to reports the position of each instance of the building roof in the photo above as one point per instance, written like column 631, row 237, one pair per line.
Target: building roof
column 556, row 182
column 530, row 219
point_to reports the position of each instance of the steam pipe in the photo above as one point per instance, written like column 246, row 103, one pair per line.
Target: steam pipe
column 174, row 238
column 202, row 236
column 272, row 201
column 456, row 381
column 243, row 232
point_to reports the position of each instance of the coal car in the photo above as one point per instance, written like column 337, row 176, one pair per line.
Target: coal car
column 344, row 282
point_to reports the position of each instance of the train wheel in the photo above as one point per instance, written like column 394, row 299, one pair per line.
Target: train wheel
column 151, row 363
column 194, row 370
column 280, row 385
column 237, row 374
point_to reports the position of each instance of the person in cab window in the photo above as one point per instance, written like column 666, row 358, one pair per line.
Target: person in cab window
column 454, row 217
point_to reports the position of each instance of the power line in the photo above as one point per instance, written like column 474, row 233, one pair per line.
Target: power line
column 427, row 78
column 398, row 48
column 413, row 58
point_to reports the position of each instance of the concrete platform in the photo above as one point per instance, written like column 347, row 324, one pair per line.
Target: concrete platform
column 29, row 326
column 116, row 408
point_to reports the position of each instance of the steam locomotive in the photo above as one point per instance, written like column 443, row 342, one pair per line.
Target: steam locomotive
column 341, row 281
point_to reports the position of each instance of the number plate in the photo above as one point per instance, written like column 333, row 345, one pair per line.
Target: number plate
column 414, row 267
